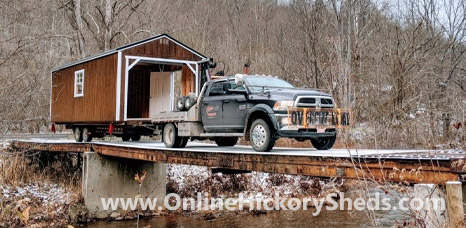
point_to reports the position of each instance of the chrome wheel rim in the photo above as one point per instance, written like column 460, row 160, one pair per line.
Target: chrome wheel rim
column 85, row 134
column 169, row 134
column 259, row 135
column 76, row 133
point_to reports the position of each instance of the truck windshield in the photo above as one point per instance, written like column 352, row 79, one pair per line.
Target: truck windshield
column 267, row 82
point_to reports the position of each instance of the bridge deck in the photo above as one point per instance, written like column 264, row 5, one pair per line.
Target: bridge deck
column 412, row 166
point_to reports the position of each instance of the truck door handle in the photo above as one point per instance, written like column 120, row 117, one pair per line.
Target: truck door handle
column 226, row 101
column 205, row 103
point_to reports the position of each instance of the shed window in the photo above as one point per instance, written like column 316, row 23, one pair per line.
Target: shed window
column 79, row 83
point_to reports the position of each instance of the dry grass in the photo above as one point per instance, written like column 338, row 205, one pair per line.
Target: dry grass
column 22, row 167
column 38, row 188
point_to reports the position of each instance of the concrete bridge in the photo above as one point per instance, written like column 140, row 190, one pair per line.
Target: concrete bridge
column 107, row 166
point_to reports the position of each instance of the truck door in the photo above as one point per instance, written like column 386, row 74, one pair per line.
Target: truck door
column 235, row 109
column 212, row 112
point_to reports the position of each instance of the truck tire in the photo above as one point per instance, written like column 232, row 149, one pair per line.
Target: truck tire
column 184, row 142
column 189, row 102
column 87, row 135
column 78, row 134
column 261, row 137
column 170, row 136
column 135, row 137
column 180, row 103
column 226, row 141
column 324, row 143
column 125, row 137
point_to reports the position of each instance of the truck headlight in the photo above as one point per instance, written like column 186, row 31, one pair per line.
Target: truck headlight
column 282, row 105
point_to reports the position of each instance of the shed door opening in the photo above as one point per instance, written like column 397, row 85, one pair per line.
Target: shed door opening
column 153, row 86
column 160, row 92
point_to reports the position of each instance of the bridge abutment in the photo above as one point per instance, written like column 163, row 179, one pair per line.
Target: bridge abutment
column 106, row 177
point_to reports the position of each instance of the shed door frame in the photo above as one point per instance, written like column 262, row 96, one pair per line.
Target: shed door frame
column 192, row 65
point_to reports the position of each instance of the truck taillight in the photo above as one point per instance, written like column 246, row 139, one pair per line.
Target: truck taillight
column 110, row 129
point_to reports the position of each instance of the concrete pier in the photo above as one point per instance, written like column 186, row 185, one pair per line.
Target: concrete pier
column 113, row 177
column 455, row 203
column 432, row 213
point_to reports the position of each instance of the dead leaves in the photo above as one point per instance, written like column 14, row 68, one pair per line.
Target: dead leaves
column 24, row 215
column 140, row 179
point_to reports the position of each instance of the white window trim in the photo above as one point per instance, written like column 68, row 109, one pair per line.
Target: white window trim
column 75, row 83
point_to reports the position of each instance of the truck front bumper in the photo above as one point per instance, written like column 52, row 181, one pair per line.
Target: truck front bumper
column 305, row 134
column 284, row 129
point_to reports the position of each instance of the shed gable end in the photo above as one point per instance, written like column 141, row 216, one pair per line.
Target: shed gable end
column 163, row 47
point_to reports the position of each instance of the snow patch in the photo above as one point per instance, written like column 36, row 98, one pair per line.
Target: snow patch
column 47, row 194
column 257, row 184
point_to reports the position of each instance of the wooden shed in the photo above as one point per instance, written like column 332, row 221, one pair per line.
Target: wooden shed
column 129, row 83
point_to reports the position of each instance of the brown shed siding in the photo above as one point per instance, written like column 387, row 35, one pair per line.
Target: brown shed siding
column 98, row 102
column 187, row 80
column 162, row 48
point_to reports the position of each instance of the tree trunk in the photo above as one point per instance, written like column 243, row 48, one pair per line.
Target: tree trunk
column 108, row 18
column 79, row 27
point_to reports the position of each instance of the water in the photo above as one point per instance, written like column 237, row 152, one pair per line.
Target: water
column 300, row 218
column 271, row 219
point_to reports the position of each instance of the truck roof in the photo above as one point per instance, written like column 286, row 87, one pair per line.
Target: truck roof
column 245, row 75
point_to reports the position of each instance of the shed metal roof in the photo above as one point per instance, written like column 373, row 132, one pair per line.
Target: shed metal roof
column 116, row 50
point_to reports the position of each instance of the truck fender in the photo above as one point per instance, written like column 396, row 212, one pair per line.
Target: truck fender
column 263, row 108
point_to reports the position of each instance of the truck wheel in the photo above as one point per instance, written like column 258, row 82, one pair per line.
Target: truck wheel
column 261, row 137
column 189, row 102
column 180, row 103
column 226, row 141
column 125, row 137
column 87, row 135
column 323, row 143
column 300, row 139
column 136, row 137
column 170, row 136
column 184, row 142
column 78, row 134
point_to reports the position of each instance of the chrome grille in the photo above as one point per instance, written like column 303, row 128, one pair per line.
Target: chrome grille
column 306, row 102
column 326, row 101
column 314, row 102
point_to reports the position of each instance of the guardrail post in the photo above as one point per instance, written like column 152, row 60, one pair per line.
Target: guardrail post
column 455, row 204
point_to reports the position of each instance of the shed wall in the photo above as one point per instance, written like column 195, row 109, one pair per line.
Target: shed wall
column 98, row 102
